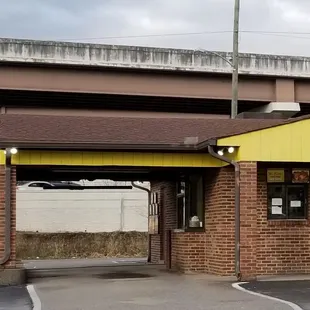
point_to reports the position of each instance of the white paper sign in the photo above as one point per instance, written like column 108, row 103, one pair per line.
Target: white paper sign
column 276, row 201
column 276, row 210
column 295, row 204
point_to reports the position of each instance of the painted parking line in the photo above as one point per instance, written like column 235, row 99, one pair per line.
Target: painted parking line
column 242, row 289
column 36, row 302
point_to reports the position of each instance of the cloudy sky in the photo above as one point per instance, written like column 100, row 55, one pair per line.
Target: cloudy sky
column 95, row 20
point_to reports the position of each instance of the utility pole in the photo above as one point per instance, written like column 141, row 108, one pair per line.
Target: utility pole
column 235, row 74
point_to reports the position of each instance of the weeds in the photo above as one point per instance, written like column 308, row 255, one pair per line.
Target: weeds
column 80, row 245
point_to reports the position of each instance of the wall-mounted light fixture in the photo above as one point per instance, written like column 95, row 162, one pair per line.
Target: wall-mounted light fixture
column 13, row 151
column 229, row 149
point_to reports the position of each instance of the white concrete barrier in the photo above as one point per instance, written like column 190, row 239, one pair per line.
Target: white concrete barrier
column 80, row 211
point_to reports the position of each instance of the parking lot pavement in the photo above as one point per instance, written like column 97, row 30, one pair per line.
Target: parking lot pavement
column 143, row 288
column 297, row 292
column 14, row 298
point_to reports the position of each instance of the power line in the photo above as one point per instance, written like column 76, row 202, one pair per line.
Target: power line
column 275, row 32
column 272, row 33
column 151, row 35
column 282, row 35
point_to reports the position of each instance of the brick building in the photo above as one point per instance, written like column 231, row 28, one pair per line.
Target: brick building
column 228, row 196
column 272, row 181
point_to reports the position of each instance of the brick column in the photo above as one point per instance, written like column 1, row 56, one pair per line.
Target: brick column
column 12, row 262
column 167, row 218
column 248, row 219
column 220, row 221
column 155, row 248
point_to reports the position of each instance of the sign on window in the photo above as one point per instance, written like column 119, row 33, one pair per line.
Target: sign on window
column 275, row 175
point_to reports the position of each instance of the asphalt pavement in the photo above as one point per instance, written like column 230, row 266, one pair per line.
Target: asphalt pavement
column 142, row 287
column 296, row 291
column 132, row 284
column 14, row 298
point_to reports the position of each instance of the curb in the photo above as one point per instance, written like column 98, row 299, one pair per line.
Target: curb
column 291, row 304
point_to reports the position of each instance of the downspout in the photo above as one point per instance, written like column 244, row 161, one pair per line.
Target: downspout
column 148, row 216
column 7, row 206
column 237, row 206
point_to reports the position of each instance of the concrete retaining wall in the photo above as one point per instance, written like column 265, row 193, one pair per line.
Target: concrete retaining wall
column 80, row 211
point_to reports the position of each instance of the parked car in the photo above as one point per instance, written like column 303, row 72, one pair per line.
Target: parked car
column 64, row 184
column 37, row 185
column 34, row 185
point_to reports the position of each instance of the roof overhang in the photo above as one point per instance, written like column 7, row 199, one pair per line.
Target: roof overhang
column 97, row 147
column 35, row 145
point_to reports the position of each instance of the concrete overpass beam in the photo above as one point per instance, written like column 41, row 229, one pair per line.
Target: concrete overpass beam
column 285, row 90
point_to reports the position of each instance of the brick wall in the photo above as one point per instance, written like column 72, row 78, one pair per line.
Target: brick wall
column 219, row 220
column 283, row 246
column 12, row 262
column 211, row 251
column 189, row 252
column 167, row 218
column 155, row 248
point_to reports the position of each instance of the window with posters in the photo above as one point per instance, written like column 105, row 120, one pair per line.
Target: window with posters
column 288, row 199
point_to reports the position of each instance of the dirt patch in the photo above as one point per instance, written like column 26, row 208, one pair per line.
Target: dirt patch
column 80, row 245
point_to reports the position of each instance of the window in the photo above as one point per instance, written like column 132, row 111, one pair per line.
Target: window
column 190, row 202
column 287, row 201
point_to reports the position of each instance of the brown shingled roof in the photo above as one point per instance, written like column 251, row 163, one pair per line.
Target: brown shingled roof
column 94, row 132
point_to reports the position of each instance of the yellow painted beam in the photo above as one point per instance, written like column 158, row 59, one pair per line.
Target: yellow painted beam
column 75, row 158
column 285, row 143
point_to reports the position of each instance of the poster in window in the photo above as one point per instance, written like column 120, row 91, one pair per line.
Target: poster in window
column 300, row 176
column 295, row 204
column 275, row 175
column 276, row 201
column 276, row 210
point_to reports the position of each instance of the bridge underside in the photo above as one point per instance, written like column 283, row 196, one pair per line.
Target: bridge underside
column 67, row 103
column 142, row 90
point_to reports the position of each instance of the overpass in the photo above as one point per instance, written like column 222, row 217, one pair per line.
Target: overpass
column 110, row 76
column 103, row 114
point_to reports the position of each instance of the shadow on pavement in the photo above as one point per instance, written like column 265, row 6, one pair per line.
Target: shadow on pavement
column 297, row 292
column 108, row 273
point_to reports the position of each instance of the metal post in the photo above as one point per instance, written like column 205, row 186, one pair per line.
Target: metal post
column 235, row 74
column 122, row 215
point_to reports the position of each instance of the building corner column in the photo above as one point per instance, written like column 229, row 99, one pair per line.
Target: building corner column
column 11, row 273
column 248, row 220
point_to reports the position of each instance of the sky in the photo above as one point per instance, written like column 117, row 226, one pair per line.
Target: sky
column 95, row 20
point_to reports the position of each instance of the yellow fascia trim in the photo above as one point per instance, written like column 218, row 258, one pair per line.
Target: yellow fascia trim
column 284, row 143
column 76, row 158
